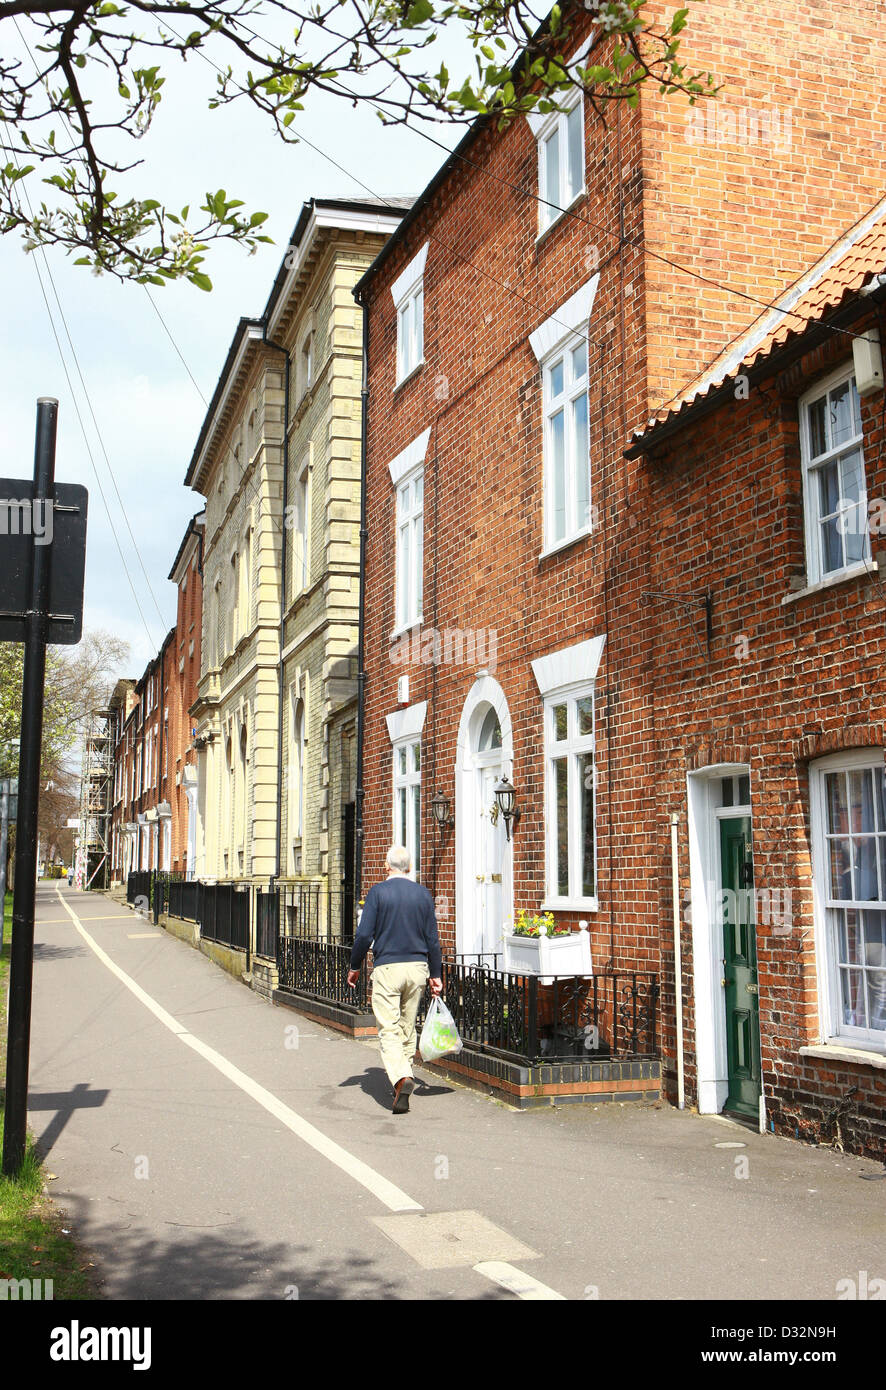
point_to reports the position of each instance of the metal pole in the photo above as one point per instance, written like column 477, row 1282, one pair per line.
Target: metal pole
column 678, row 960
column 24, row 896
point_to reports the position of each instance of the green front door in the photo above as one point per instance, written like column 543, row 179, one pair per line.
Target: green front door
column 740, row 966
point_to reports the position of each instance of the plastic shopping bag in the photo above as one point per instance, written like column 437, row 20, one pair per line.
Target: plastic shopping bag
column 439, row 1034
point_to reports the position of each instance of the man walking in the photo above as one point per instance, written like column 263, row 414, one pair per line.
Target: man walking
column 398, row 922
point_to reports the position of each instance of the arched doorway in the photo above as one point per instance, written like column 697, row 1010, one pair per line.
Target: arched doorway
column 483, row 855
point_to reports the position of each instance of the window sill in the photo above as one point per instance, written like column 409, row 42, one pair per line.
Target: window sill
column 409, row 375
column 564, row 544
column 582, row 193
column 407, row 627
column 570, row 905
column 842, row 1052
column 861, row 567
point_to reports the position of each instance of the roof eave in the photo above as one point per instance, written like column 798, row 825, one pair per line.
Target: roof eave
column 782, row 356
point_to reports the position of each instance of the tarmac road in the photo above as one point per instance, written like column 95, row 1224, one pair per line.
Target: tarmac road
column 211, row 1146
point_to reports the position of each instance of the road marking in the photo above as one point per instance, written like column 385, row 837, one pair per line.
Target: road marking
column 516, row 1282
column 447, row 1239
column 142, row 935
column 387, row 1193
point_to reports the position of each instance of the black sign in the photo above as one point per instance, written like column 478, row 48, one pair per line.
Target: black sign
column 25, row 524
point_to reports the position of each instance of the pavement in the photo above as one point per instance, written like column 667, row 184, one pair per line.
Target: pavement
column 208, row 1145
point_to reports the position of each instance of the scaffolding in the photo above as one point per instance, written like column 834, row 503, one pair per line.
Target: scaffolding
column 92, row 867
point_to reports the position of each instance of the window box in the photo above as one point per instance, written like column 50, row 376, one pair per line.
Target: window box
column 547, row 956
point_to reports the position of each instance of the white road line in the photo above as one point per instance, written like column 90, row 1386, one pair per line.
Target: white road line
column 516, row 1282
column 392, row 1197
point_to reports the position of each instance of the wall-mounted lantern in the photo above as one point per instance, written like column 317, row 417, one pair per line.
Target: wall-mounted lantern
column 441, row 809
column 506, row 796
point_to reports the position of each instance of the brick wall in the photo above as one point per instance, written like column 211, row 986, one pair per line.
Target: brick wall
column 784, row 684
column 752, row 187
column 489, row 282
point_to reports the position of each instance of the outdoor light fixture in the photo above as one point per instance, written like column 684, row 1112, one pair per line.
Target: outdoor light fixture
column 506, row 797
column 441, row 808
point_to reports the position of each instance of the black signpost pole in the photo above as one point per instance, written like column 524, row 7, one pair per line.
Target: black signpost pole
column 24, row 896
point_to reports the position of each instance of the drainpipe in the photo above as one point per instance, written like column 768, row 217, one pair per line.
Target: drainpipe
column 280, row 682
column 361, row 621
column 678, row 960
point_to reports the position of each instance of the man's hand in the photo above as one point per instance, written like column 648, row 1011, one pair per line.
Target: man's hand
column 436, row 986
column 353, row 977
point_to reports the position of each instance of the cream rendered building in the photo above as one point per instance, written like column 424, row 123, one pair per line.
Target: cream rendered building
column 281, row 573
column 237, row 466
column 312, row 312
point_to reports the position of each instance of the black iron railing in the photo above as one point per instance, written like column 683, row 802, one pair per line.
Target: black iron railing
column 320, row 970
column 138, row 885
column 184, row 899
column 225, row 914
column 267, row 923
column 612, row 1014
column 316, row 910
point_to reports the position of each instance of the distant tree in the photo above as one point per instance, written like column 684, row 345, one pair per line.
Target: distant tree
column 75, row 76
column 78, row 680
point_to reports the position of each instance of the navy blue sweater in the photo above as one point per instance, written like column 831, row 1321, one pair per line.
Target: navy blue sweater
column 398, row 922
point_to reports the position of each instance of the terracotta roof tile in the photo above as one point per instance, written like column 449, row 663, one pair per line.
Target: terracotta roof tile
column 838, row 275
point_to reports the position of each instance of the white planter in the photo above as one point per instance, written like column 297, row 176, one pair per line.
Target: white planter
column 549, row 955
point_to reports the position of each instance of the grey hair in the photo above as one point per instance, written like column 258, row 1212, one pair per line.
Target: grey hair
column 398, row 859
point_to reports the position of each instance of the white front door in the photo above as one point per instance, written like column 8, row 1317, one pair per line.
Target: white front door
column 490, row 863
column 483, row 856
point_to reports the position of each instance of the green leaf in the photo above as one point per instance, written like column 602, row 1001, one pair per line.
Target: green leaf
column 202, row 281
column 419, row 12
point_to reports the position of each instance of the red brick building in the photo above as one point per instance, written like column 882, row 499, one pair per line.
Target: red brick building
column 553, row 287
column 155, row 764
column 187, row 575
column 767, row 484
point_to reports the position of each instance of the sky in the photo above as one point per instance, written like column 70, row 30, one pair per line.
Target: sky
column 147, row 410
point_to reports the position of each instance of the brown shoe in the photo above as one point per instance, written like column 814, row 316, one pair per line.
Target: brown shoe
column 402, row 1091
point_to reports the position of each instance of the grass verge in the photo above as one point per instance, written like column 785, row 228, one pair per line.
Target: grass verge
column 35, row 1240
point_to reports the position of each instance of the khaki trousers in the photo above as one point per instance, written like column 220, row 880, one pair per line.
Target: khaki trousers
column 396, row 992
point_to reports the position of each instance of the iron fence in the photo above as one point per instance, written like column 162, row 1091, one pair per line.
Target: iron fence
column 184, row 899
column 267, row 922
column 224, row 915
column 320, row 970
column 316, row 910
column 612, row 1014
column 138, row 885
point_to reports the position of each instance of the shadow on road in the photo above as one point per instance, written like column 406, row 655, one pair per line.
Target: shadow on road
column 374, row 1083
column 200, row 1264
column 64, row 1103
column 42, row 951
